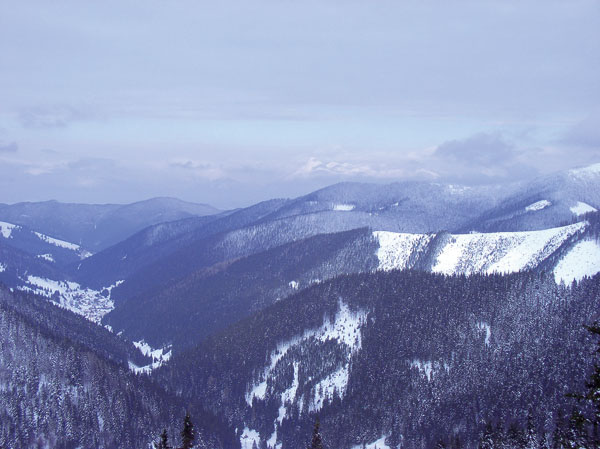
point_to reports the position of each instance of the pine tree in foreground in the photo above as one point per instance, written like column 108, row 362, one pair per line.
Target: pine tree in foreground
column 317, row 440
column 187, row 434
column 163, row 442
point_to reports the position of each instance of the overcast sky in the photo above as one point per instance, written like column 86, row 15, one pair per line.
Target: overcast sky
column 230, row 103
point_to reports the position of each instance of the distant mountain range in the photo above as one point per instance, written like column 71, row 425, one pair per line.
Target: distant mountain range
column 408, row 227
column 185, row 280
column 98, row 226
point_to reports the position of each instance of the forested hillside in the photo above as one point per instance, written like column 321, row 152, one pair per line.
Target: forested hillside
column 65, row 383
column 408, row 356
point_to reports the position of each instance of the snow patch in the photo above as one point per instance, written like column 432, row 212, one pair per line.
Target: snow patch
column 457, row 189
column 483, row 326
column 84, row 254
column 330, row 387
column 582, row 260
column 159, row 357
column 57, row 242
column 47, row 257
column 249, row 437
column 294, row 285
column 288, row 395
column 582, row 208
column 6, row 229
column 427, row 368
column 378, row 444
column 538, row 205
column 272, row 441
column 395, row 248
column 2, row 267
column 345, row 329
column 258, row 391
column 92, row 304
column 344, row 207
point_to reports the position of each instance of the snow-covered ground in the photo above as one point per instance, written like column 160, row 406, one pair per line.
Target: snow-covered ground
column 377, row 444
column 582, row 260
column 538, row 205
column 345, row 330
column 483, row 326
column 159, row 357
column 57, row 242
column 63, row 244
column 582, row 208
column 344, row 207
column 47, row 257
column 92, row 304
column 6, row 229
column 396, row 248
column 498, row 252
column 249, row 437
column 501, row 252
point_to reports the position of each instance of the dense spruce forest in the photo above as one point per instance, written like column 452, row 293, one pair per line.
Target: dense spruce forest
column 65, row 383
column 441, row 358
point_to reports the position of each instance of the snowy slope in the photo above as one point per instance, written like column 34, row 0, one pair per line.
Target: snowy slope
column 395, row 249
column 6, row 229
column 582, row 260
column 42, row 245
column 501, row 252
column 498, row 252
column 582, row 208
column 345, row 331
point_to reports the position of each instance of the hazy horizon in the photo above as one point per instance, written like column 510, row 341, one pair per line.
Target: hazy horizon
column 229, row 104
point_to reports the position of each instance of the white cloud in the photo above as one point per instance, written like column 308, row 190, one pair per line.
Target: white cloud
column 316, row 167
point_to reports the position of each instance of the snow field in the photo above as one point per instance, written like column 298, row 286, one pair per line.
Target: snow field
column 396, row 248
column 344, row 207
column 345, row 329
column 57, row 242
column 538, row 205
column 582, row 260
column 498, row 252
column 249, row 437
column 6, row 229
column 582, row 208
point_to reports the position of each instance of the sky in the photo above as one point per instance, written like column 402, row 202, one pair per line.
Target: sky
column 233, row 102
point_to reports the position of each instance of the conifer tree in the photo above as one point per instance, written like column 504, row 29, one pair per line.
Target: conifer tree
column 578, row 422
column 487, row 439
column 559, row 437
column 317, row 440
column 187, row 434
column 163, row 442
column 440, row 444
column 531, row 434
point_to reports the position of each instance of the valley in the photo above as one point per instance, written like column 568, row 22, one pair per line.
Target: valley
column 378, row 308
